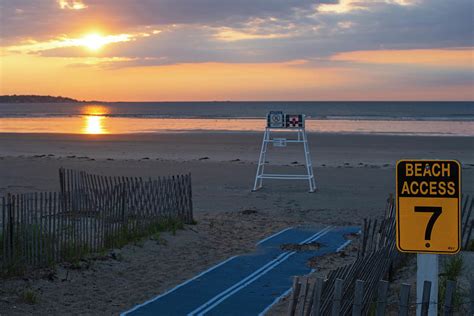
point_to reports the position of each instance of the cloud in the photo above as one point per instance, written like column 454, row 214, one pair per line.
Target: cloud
column 246, row 31
column 71, row 5
column 44, row 18
column 230, row 35
column 457, row 58
column 91, row 41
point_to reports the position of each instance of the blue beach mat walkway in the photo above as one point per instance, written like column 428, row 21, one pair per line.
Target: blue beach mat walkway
column 248, row 284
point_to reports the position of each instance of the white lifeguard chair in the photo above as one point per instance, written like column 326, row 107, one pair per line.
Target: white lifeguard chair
column 277, row 120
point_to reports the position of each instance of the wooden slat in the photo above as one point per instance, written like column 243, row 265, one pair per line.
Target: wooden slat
column 358, row 298
column 471, row 297
column 294, row 297
column 404, row 300
column 381, row 298
column 336, row 302
column 302, row 296
column 24, row 208
column 318, row 287
column 448, row 299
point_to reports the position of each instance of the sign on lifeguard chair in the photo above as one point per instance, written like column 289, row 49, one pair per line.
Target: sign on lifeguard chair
column 277, row 120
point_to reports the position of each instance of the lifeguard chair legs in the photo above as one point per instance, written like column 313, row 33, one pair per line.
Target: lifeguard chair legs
column 260, row 175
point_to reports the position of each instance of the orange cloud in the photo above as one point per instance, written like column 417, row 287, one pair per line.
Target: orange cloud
column 426, row 57
column 229, row 35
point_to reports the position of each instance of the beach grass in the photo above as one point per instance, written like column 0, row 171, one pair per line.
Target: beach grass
column 451, row 269
column 154, row 230
column 72, row 253
column 29, row 297
column 24, row 244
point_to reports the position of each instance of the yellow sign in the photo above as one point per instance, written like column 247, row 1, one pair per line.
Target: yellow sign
column 428, row 206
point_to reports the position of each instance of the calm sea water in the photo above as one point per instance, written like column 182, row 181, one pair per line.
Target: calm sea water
column 316, row 110
column 419, row 118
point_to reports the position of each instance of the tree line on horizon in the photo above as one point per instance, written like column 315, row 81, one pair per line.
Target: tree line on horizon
column 36, row 99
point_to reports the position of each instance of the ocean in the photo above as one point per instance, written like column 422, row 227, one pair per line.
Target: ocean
column 410, row 118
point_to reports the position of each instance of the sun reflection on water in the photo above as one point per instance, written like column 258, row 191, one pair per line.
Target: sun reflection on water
column 94, row 119
column 94, row 125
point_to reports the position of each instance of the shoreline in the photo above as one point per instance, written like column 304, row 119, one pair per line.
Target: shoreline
column 197, row 131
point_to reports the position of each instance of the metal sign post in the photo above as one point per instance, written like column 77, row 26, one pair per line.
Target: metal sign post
column 427, row 270
column 288, row 122
column 428, row 217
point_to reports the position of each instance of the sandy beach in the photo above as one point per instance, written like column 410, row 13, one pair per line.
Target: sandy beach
column 355, row 174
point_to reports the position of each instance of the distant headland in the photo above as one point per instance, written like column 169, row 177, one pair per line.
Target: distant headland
column 36, row 99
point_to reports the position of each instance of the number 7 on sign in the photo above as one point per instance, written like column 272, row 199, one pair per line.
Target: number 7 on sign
column 436, row 210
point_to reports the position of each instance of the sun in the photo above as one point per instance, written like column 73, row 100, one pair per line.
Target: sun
column 94, row 41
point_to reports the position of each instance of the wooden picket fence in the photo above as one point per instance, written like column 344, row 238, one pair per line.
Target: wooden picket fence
column 307, row 292
column 164, row 196
column 356, row 288
column 90, row 213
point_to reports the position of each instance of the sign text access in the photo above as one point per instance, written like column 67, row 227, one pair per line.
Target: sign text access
column 428, row 206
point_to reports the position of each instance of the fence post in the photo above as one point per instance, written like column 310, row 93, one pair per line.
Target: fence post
column 382, row 298
column 425, row 300
column 358, row 298
column 124, row 201
column 448, row 299
column 294, row 296
column 11, row 212
column 472, row 297
column 302, row 297
column 404, row 299
column 190, row 187
column 318, row 289
column 336, row 301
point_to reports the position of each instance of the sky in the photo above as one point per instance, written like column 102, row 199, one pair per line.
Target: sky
column 185, row 50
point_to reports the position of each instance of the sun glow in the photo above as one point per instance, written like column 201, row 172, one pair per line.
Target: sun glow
column 95, row 110
column 96, row 41
column 93, row 41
